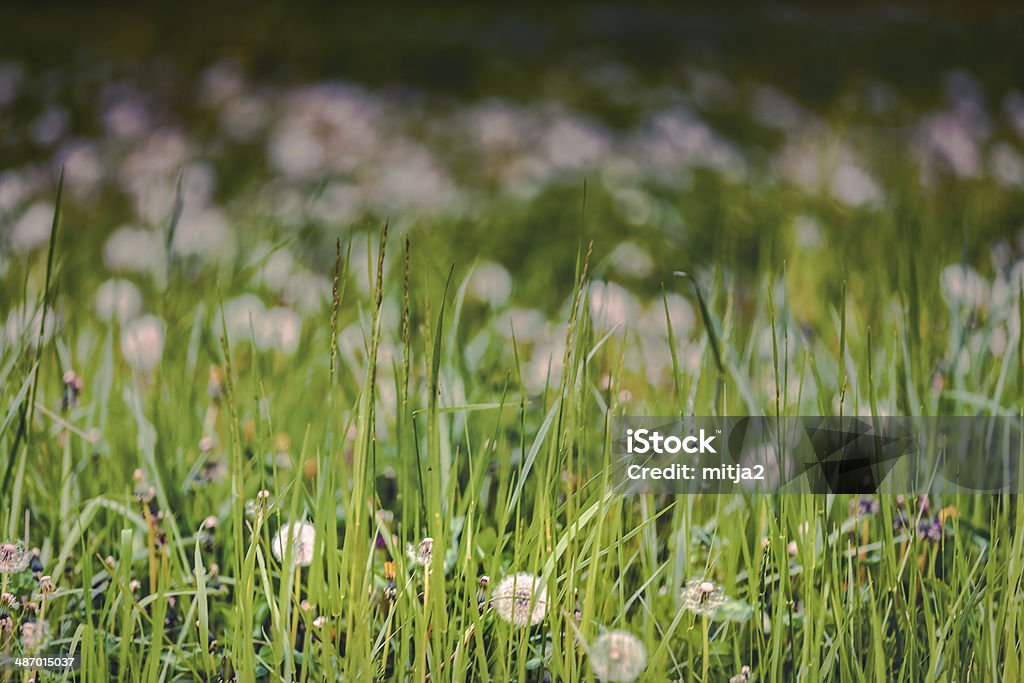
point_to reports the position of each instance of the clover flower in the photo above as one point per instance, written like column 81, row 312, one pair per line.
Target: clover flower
column 702, row 597
column 14, row 558
column 520, row 599
column 303, row 541
column 617, row 656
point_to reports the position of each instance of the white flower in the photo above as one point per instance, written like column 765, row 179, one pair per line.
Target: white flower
column 280, row 329
column 702, row 597
column 134, row 250
column 303, row 541
column 490, row 282
column 13, row 189
column 32, row 229
column 855, row 187
column 204, row 233
column 421, row 554
column 527, row 324
column 243, row 318
column 117, row 299
column 611, row 305
column 307, row 292
column 631, row 260
column 14, row 558
column 83, row 167
column 34, row 634
column 773, row 108
column 574, row 144
column 617, row 656
column 520, row 599
column 962, row 285
column 1006, row 165
column 142, row 342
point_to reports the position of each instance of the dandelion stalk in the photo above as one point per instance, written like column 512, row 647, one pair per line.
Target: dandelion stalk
column 705, row 662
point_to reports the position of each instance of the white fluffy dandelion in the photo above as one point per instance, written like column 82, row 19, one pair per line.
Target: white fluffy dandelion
column 702, row 597
column 742, row 677
column 14, row 558
column 303, row 541
column 422, row 553
column 118, row 299
column 964, row 286
column 34, row 634
column 490, row 283
column 32, row 229
column 134, row 250
column 617, row 656
column 520, row 599
column 142, row 342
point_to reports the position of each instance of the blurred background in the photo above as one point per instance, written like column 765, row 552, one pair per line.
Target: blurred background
column 881, row 146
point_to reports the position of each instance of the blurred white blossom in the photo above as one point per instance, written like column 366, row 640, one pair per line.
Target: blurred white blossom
column 118, row 299
column 142, row 342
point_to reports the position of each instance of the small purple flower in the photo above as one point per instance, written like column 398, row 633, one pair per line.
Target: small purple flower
column 923, row 505
column 930, row 529
column 73, row 386
column 865, row 506
column 900, row 521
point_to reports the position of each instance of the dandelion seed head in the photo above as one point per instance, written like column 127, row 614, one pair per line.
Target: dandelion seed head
column 33, row 634
column 303, row 541
column 142, row 342
column 14, row 558
column 702, row 597
column 135, row 250
column 118, row 299
column 32, row 229
column 520, row 599
column 617, row 656
column 421, row 553
column 742, row 677
column 46, row 587
column 964, row 286
column 490, row 283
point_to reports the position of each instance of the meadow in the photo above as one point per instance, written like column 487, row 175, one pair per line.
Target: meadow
column 314, row 380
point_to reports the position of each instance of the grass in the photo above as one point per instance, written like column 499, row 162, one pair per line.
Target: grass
column 409, row 434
